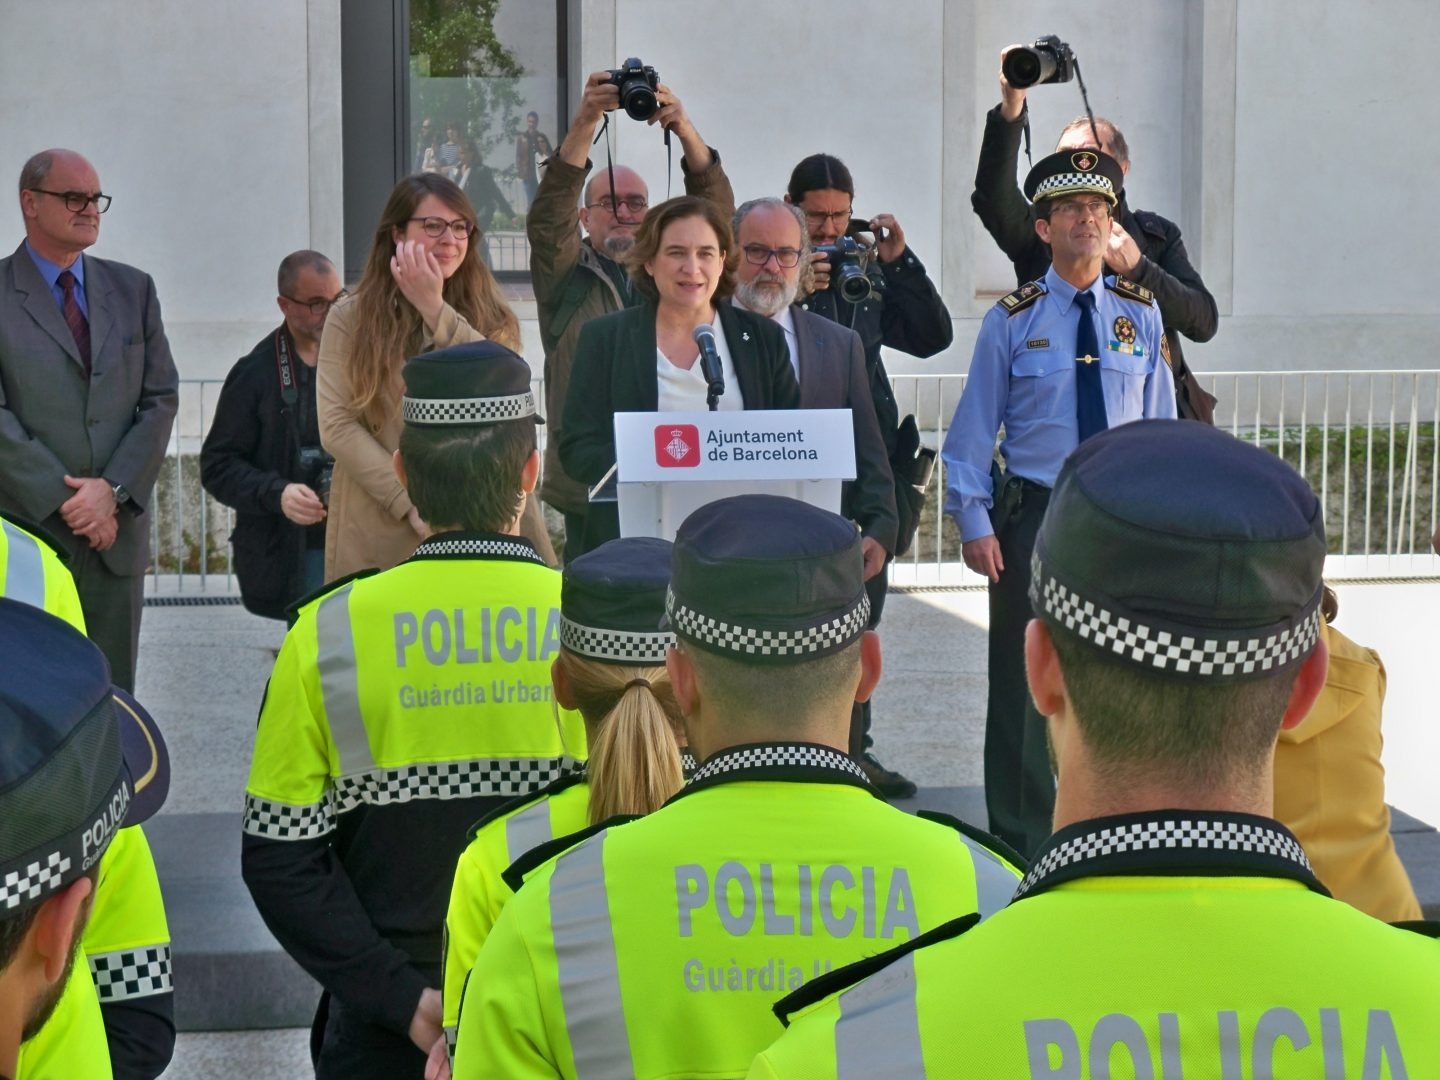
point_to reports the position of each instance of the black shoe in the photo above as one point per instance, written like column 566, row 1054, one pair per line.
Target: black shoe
column 886, row 781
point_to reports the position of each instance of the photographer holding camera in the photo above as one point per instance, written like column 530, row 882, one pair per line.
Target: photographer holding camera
column 577, row 279
column 263, row 455
column 1143, row 247
column 866, row 277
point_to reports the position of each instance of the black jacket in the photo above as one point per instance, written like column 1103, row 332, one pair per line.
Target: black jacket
column 614, row 372
column 251, row 453
column 1186, row 306
column 908, row 315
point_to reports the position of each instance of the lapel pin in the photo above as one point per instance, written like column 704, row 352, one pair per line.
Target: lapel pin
column 745, row 335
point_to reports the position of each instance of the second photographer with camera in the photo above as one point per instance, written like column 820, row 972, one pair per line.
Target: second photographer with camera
column 1143, row 247
column 262, row 456
column 578, row 278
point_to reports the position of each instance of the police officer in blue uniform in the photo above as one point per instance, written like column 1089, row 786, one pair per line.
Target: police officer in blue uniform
column 1058, row 360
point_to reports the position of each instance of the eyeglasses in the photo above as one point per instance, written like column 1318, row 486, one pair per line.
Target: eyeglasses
column 636, row 204
column 819, row 217
column 77, row 201
column 759, row 255
column 321, row 306
column 1070, row 207
column 436, row 226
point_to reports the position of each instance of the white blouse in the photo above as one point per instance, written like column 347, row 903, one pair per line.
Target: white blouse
column 683, row 390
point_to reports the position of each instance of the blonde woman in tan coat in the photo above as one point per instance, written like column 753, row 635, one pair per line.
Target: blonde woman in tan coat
column 424, row 287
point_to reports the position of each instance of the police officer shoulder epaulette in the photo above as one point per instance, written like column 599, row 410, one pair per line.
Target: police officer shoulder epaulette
column 40, row 534
column 515, row 874
column 325, row 590
column 980, row 836
column 1429, row 927
column 1023, row 297
column 842, row 978
column 1130, row 290
column 510, row 806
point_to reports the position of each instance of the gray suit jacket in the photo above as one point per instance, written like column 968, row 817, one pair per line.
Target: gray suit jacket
column 54, row 422
column 832, row 376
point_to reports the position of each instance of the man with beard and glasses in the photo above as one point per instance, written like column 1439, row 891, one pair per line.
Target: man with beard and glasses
column 69, row 779
column 829, row 362
column 577, row 279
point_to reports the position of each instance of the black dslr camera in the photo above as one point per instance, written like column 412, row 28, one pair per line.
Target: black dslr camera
column 853, row 270
column 1048, row 60
column 638, row 83
column 316, row 470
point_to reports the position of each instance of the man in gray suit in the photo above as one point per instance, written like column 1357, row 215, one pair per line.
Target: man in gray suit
column 88, row 392
column 829, row 362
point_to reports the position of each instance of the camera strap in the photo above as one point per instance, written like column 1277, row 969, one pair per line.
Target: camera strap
column 285, row 369
column 604, row 133
column 1089, row 112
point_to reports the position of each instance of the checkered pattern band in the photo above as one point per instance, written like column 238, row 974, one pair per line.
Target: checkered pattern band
column 489, row 778
column 132, row 973
column 1073, row 183
column 33, row 880
column 1163, row 834
column 615, row 646
column 829, row 636
column 688, row 764
column 778, row 755
column 479, row 410
column 1180, row 652
column 480, row 549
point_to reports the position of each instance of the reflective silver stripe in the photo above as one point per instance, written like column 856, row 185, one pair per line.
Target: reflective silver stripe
column 585, row 957
column 24, row 572
column 878, row 1032
column 528, row 829
column 340, row 682
column 995, row 884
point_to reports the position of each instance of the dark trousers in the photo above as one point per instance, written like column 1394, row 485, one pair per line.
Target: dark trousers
column 1019, row 785
column 345, row 1047
column 112, row 604
column 574, row 537
column 876, row 588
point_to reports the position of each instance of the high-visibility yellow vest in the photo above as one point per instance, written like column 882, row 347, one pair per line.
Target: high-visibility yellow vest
column 656, row 948
column 1244, row 975
column 479, row 891
column 127, row 946
column 33, row 571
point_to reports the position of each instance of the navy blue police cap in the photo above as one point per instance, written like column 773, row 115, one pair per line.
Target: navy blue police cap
column 479, row 382
column 767, row 579
column 1075, row 172
column 1183, row 550
column 612, row 601
column 78, row 757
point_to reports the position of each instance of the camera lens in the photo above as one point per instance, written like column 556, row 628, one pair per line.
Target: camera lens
column 1024, row 67
column 852, row 283
column 638, row 100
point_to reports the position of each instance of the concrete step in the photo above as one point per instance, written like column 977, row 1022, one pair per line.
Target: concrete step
column 231, row 975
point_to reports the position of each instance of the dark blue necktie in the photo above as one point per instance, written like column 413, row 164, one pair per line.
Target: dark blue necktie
column 1089, row 397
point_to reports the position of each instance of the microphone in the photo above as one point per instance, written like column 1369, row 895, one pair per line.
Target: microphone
column 704, row 336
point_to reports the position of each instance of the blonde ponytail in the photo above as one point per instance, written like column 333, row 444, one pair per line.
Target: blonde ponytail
column 634, row 753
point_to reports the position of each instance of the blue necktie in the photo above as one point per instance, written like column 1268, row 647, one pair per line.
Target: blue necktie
column 1089, row 397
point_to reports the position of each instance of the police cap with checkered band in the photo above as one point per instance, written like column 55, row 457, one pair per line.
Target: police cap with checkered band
column 1075, row 172
column 767, row 579
column 612, row 600
column 1179, row 548
column 78, row 757
column 478, row 382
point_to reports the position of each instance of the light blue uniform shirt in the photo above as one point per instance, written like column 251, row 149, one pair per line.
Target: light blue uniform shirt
column 49, row 271
column 1023, row 376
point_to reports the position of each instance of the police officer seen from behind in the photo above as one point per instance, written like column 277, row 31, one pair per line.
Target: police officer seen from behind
column 404, row 705
column 1142, row 246
column 1057, row 361
column 655, row 948
column 262, row 455
column 1179, row 926
column 70, row 778
column 894, row 304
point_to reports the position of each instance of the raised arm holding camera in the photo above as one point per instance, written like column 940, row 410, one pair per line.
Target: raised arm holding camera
column 1143, row 247
column 577, row 279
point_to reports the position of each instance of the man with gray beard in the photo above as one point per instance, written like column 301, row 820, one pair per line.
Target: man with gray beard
column 829, row 362
column 577, row 279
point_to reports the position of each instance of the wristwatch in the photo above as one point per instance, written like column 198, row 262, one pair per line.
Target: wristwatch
column 121, row 495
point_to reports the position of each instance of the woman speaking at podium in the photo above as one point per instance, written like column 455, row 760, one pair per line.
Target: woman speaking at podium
column 650, row 358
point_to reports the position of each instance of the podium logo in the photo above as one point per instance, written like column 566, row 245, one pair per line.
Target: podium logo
column 677, row 446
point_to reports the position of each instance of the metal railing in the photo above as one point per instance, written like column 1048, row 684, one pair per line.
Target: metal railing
column 1366, row 440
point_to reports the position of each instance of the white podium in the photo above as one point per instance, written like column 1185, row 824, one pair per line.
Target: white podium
column 670, row 464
